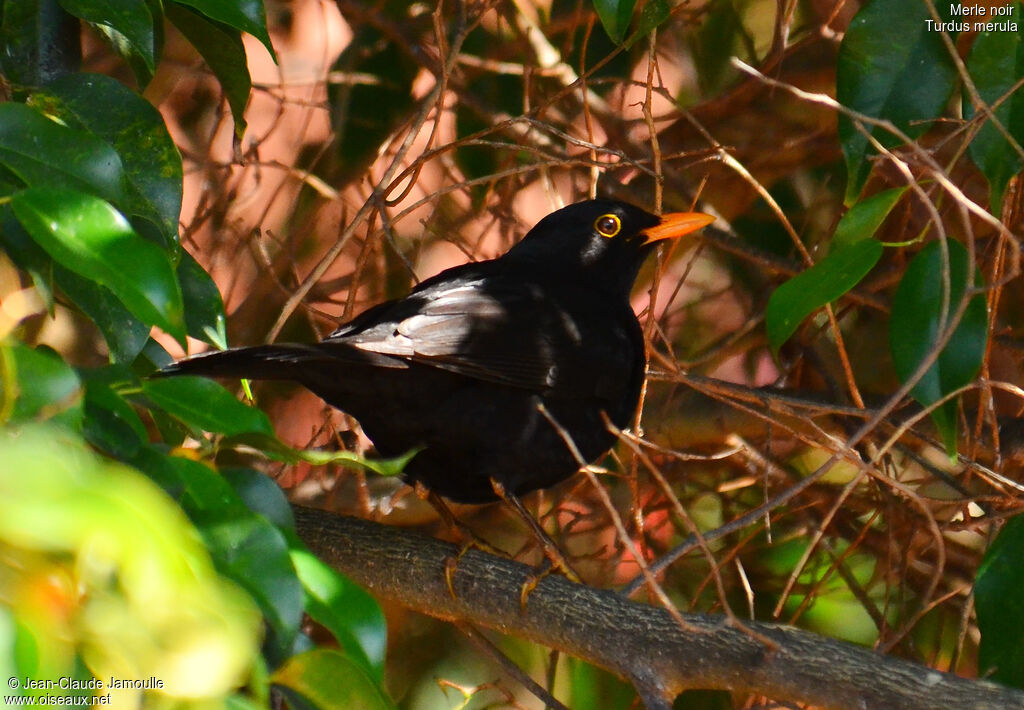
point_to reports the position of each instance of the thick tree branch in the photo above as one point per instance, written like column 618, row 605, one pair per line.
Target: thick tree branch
column 637, row 641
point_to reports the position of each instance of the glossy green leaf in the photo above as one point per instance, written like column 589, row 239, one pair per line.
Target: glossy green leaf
column 27, row 255
column 196, row 491
column 204, row 404
column 38, row 384
column 204, row 309
column 221, row 48
column 155, row 355
column 330, row 680
column 914, row 329
column 172, row 431
column 124, row 334
column 131, row 19
column 88, row 236
column 245, row 547
column 1000, row 606
column 251, row 551
column 111, row 424
column 45, row 153
column 243, row 15
column 261, row 495
column 823, row 283
column 343, row 608
column 891, row 66
column 615, row 16
column 996, row 63
column 131, row 125
column 653, row 14
column 863, row 219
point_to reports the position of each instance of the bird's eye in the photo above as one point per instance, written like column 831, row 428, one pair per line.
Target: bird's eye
column 608, row 225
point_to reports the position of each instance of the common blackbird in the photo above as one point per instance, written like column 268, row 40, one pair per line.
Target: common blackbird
column 461, row 366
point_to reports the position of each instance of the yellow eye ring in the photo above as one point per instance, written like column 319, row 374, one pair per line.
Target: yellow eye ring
column 608, row 225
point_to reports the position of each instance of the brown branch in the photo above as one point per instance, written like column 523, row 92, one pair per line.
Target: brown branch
column 636, row 641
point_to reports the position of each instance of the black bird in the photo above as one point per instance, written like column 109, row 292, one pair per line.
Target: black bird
column 475, row 363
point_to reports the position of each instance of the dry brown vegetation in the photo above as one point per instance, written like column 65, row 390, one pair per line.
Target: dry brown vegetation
column 853, row 521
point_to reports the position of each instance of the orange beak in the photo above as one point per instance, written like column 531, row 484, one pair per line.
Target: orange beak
column 675, row 225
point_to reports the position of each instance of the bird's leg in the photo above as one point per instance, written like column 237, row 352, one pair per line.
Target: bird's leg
column 555, row 558
column 469, row 539
column 443, row 511
column 466, row 534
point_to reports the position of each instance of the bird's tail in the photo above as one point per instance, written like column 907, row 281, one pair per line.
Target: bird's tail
column 260, row 362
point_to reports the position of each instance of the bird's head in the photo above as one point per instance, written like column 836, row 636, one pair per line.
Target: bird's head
column 603, row 241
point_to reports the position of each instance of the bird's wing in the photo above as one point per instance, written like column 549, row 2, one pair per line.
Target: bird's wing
column 500, row 332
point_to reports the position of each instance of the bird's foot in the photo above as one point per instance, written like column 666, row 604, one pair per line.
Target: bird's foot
column 555, row 559
column 546, row 568
column 463, row 533
column 451, row 564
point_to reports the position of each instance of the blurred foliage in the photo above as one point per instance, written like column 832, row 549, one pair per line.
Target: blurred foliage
column 101, row 567
column 139, row 531
column 124, row 558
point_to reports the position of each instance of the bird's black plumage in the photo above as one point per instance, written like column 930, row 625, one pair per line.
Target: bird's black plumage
column 460, row 366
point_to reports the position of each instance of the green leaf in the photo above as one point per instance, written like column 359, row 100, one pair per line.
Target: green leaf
column 823, row 283
column 41, row 385
column 914, row 328
column 273, row 448
column 343, row 608
column 652, row 15
column 26, row 254
column 243, row 15
column 203, row 404
column 130, row 19
column 331, row 680
column 204, row 309
column 863, row 219
column 148, row 589
column 252, row 552
column 245, row 547
column 996, row 63
column 45, row 153
column 155, row 355
column 1000, row 606
column 124, row 334
column 891, row 66
column 88, row 236
column 221, row 48
column 172, row 431
column 615, row 16
column 111, row 423
column 196, row 487
column 109, row 110
column 261, row 495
